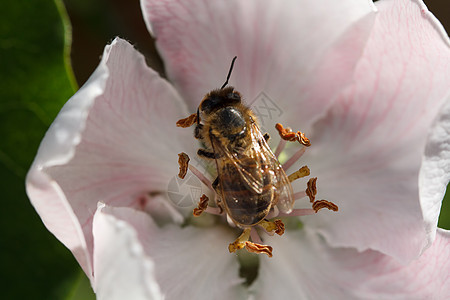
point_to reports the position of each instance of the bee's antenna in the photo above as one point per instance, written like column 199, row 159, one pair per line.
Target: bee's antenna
column 229, row 72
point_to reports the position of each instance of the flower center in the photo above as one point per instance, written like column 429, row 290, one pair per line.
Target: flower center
column 247, row 205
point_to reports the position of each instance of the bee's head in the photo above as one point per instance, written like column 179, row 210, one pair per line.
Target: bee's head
column 217, row 99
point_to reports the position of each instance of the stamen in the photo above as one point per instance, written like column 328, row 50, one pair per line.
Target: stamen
column 319, row 204
column 183, row 162
column 276, row 226
column 311, row 190
column 303, row 139
column 202, row 205
column 239, row 243
column 286, row 133
column 258, row 248
column 201, row 177
column 187, row 122
column 214, row 210
column 255, row 236
column 294, row 158
column 274, row 212
column 302, row 172
column 299, row 195
column 280, row 147
column 299, row 212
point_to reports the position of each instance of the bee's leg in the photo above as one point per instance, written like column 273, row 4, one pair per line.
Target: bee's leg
column 198, row 131
column 216, row 187
column 215, row 183
column 206, row 154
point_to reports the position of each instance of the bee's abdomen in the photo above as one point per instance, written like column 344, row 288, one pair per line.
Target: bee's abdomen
column 245, row 206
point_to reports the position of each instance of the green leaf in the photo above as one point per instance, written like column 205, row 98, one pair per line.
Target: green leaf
column 35, row 81
column 444, row 217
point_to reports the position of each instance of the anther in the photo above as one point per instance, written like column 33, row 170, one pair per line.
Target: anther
column 258, row 248
column 319, row 204
column 276, row 226
column 302, row 172
column 183, row 162
column 239, row 243
column 202, row 206
column 303, row 139
column 187, row 122
column 311, row 190
column 286, row 133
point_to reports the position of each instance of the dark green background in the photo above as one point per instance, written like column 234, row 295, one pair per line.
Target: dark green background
column 36, row 79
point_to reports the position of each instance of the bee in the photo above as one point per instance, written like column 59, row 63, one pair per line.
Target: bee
column 250, row 180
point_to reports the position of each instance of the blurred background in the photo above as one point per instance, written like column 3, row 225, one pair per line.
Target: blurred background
column 33, row 264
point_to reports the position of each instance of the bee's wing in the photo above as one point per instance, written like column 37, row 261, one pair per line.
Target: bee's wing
column 281, row 182
column 244, row 167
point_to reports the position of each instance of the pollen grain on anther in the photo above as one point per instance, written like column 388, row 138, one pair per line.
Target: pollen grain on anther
column 302, row 172
column 187, row 122
column 258, row 248
column 319, row 204
column 286, row 133
column 311, row 189
column 183, row 162
column 202, row 206
column 303, row 139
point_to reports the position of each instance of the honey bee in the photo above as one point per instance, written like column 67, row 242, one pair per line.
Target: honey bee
column 250, row 180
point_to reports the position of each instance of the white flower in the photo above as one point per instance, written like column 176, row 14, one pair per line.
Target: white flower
column 371, row 89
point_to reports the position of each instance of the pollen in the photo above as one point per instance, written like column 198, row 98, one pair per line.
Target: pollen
column 288, row 135
column 187, row 122
column 183, row 162
column 250, row 238
column 302, row 172
column 311, row 189
column 319, row 204
column 277, row 226
column 202, row 206
column 258, row 248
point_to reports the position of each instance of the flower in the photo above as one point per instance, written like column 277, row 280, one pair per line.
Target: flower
column 370, row 83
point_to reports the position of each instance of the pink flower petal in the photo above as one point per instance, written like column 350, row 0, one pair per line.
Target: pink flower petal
column 114, row 141
column 122, row 269
column 435, row 170
column 189, row 262
column 368, row 150
column 310, row 269
column 297, row 53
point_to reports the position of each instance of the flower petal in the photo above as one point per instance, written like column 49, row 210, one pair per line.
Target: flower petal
column 309, row 269
column 287, row 50
column 367, row 151
column 435, row 170
column 114, row 141
column 189, row 262
column 122, row 269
